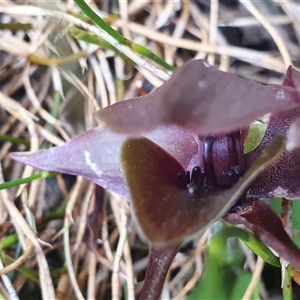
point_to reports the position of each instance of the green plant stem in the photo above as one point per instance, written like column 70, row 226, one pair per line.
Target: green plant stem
column 17, row 182
column 287, row 291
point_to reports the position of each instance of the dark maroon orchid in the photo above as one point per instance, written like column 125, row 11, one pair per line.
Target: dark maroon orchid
column 171, row 205
column 152, row 171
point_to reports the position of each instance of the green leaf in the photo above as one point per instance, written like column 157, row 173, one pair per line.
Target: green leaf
column 214, row 283
column 240, row 286
column 252, row 242
column 255, row 135
column 218, row 268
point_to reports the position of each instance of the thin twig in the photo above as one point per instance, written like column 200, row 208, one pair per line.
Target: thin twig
column 255, row 279
column 24, row 230
column 122, row 226
column 271, row 29
column 63, row 17
column 7, row 283
column 67, row 221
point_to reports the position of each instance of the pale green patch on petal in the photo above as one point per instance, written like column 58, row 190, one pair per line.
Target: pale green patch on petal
column 255, row 136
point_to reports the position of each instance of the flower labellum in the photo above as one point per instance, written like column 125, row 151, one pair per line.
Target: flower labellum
column 166, row 209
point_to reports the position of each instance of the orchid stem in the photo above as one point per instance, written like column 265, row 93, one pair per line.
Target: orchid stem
column 287, row 290
column 157, row 272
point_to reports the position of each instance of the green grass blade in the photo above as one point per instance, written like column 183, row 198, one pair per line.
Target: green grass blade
column 116, row 35
column 14, row 140
column 17, row 182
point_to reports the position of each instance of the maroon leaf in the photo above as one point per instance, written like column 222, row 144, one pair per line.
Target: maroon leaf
column 203, row 99
column 259, row 217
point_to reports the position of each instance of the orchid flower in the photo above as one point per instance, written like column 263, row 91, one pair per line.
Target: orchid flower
column 177, row 155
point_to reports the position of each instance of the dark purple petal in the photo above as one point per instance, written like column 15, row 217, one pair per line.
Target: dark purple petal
column 281, row 178
column 178, row 142
column 95, row 155
column 203, row 99
column 165, row 210
column 259, row 217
